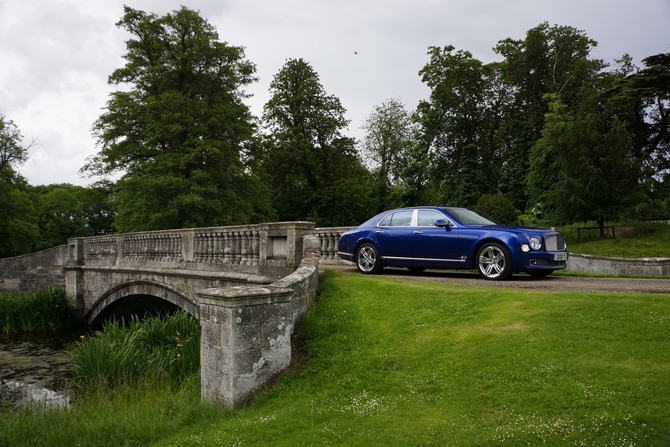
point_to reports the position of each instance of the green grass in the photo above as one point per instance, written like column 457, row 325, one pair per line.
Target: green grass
column 639, row 241
column 405, row 364
column 46, row 310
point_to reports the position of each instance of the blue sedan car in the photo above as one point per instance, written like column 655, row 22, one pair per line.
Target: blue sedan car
column 432, row 237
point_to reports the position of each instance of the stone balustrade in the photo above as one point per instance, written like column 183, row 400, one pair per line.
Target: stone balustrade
column 273, row 249
column 327, row 240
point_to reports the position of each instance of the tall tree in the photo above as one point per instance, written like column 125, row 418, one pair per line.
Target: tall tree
column 388, row 138
column 313, row 169
column 179, row 130
column 459, row 126
column 12, row 152
column 645, row 95
column 550, row 60
column 18, row 221
column 583, row 168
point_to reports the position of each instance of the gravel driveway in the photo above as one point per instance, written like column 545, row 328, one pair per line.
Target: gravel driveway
column 522, row 281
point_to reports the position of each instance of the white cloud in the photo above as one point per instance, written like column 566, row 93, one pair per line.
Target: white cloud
column 57, row 54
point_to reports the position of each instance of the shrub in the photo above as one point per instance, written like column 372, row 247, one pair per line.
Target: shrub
column 498, row 208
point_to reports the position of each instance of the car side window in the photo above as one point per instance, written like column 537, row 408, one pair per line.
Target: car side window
column 399, row 219
column 427, row 218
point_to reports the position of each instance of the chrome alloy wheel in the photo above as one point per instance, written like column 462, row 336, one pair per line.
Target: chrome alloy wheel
column 367, row 259
column 493, row 262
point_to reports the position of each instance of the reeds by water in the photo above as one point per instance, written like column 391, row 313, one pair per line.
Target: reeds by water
column 46, row 310
column 159, row 348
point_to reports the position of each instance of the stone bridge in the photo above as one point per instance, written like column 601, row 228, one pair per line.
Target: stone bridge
column 250, row 286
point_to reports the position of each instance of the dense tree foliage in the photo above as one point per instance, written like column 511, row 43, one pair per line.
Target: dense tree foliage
column 64, row 211
column 18, row 221
column 179, row 131
column 547, row 130
column 582, row 168
column 313, row 169
column 550, row 60
column 459, row 126
column 389, row 136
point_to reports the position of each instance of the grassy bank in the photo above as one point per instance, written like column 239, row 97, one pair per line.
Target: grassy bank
column 399, row 363
column 46, row 310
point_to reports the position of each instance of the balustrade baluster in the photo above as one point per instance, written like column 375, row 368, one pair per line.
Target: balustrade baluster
column 336, row 240
column 254, row 247
column 197, row 248
column 244, row 247
column 222, row 246
column 238, row 247
column 210, row 248
column 226, row 247
column 324, row 242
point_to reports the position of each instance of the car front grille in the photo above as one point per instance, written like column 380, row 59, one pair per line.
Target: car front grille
column 555, row 242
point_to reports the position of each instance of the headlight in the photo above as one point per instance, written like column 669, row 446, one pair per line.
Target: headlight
column 525, row 248
column 535, row 243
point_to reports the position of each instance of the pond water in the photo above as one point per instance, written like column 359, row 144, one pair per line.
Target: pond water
column 35, row 367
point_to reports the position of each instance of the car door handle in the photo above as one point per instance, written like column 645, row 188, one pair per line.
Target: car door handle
column 418, row 232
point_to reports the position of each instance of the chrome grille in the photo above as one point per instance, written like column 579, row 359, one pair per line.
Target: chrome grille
column 555, row 242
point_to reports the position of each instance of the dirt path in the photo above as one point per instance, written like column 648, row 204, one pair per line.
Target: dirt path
column 522, row 281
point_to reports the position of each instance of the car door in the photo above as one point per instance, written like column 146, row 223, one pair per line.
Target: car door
column 394, row 237
column 435, row 246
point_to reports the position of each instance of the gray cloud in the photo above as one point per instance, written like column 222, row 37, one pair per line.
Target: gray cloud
column 57, row 55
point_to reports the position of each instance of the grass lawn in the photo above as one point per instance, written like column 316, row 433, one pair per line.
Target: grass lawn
column 640, row 241
column 406, row 364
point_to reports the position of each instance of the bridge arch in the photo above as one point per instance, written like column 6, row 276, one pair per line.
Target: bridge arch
column 141, row 288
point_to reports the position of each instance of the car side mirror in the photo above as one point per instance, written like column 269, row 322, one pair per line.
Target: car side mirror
column 442, row 223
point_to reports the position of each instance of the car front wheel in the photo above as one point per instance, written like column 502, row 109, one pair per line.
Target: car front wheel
column 367, row 259
column 494, row 261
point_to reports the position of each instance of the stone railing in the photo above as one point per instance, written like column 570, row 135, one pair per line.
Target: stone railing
column 273, row 249
column 328, row 238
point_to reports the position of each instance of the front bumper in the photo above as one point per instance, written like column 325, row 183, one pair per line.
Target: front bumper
column 545, row 260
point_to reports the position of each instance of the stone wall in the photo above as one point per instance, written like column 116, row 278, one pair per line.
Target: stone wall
column 619, row 266
column 246, row 331
column 29, row 273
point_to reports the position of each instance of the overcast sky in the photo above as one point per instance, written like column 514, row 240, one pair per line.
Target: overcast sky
column 56, row 55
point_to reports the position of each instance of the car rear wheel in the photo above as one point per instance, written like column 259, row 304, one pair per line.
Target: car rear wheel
column 367, row 259
column 494, row 261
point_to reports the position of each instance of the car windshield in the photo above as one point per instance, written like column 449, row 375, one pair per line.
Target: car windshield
column 467, row 217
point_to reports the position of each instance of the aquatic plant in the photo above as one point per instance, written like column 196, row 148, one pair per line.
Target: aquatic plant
column 46, row 310
column 157, row 348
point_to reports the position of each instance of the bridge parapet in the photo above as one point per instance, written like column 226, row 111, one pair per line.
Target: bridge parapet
column 272, row 249
column 328, row 237
column 104, row 269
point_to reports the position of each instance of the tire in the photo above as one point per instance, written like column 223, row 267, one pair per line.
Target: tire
column 494, row 261
column 368, row 260
column 540, row 273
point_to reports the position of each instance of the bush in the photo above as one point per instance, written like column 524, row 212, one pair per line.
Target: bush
column 498, row 208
